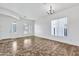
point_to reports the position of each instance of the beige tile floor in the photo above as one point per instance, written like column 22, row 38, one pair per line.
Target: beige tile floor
column 36, row 46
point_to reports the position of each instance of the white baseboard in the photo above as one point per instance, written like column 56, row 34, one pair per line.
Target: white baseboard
column 59, row 39
column 14, row 36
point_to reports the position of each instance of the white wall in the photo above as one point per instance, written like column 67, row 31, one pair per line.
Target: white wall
column 6, row 23
column 43, row 26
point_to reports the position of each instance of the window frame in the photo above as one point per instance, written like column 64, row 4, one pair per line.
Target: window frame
column 63, row 29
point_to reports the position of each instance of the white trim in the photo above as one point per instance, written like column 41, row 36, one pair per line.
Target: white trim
column 8, row 12
column 58, row 39
column 13, row 36
column 42, row 36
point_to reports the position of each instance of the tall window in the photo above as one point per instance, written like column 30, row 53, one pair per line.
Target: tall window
column 13, row 27
column 59, row 27
column 26, row 28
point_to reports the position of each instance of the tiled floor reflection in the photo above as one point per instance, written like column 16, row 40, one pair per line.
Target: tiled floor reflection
column 35, row 46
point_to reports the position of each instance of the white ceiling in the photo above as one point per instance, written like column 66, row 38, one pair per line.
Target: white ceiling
column 35, row 10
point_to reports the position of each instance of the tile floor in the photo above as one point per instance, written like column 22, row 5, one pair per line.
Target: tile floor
column 36, row 46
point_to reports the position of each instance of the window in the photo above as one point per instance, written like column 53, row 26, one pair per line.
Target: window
column 13, row 27
column 26, row 28
column 59, row 27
